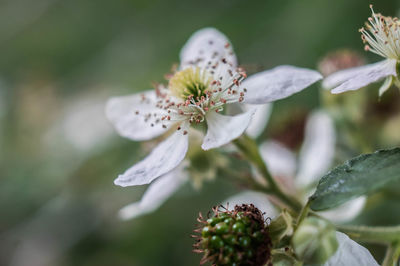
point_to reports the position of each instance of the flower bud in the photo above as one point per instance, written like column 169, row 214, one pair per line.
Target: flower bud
column 237, row 237
column 339, row 60
column 314, row 240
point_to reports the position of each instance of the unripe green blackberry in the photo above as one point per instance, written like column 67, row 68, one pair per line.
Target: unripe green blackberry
column 238, row 237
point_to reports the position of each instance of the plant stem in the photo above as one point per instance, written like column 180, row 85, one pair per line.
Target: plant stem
column 392, row 255
column 381, row 234
column 250, row 150
column 245, row 180
column 303, row 214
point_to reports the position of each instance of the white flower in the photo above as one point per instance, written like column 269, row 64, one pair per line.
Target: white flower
column 349, row 252
column 382, row 37
column 208, row 79
column 315, row 159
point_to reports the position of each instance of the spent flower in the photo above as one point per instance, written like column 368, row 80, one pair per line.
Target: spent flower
column 339, row 60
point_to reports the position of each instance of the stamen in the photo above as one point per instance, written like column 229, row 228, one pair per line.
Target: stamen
column 382, row 35
column 194, row 91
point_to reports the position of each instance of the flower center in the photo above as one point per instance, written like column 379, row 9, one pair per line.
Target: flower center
column 195, row 91
column 190, row 82
column 382, row 35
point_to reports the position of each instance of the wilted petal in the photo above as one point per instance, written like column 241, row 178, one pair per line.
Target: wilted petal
column 156, row 194
column 222, row 128
column 281, row 161
column 345, row 212
column 165, row 157
column 350, row 253
column 278, row 83
column 259, row 120
column 318, row 150
column 205, row 45
column 258, row 199
column 356, row 78
column 130, row 116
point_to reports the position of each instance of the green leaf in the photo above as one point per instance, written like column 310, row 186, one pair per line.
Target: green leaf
column 358, row 176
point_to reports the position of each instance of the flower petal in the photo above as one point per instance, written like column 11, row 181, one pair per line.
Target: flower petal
column 222, row 128
column 281, row 161
column 350, row 253
column 345, row 212
column 165, row 157
column 130, row 116
column 318, row 150
column 259, row 120
column 205, row 45
column 341, row 76
column 156, row 194
column 258, row 199
column 278, row 83
column 356, row 78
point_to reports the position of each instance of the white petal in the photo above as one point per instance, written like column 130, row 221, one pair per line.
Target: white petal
column 258, row 199
column 259, row 120
column 318, row 150
column 350, row 253
column 341, row 76
column 121, row 111
column 356, row 78
column 278, row 83
column 156, row 194
column 345, row 212
column 165, row 157
column 205, row 45
column 281, row 161
column 386, row 85
column 222, row 129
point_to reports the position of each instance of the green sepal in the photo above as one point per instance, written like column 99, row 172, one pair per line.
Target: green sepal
column 314, row 241
column 281, row 227
column 284, row 258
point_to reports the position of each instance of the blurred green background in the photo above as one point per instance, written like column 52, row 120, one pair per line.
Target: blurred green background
column 61, row 60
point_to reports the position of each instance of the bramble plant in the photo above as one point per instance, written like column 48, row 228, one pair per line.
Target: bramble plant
column 295, row 207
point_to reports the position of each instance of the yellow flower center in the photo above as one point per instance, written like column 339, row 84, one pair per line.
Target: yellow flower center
column 190, row 82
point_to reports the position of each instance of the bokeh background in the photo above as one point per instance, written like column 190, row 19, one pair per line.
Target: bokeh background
column 61, row 60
